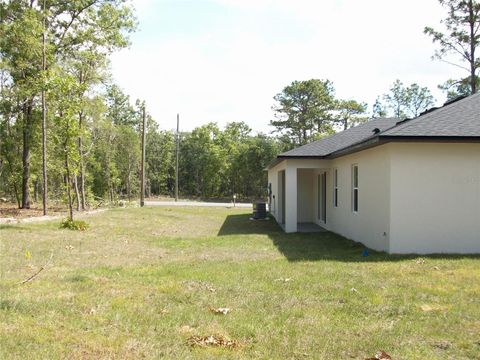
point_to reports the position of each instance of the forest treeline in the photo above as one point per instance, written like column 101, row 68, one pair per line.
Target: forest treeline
column 63, row 120
column 55, row 53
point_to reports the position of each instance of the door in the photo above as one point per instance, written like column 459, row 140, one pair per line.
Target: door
column 322, row 197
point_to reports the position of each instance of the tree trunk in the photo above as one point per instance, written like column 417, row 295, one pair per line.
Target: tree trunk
column 82, row 166
column 27, row 130
column 82, row 185
column 129, row 191
column 14, row 185
column 77, row 193
column 35, row 191
column 17, row 196
column 44, row 117
column 68, row 184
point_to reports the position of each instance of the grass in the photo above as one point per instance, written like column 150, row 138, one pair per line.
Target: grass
column 139, row 283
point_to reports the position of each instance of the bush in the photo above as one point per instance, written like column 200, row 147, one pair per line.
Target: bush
column 74, row 225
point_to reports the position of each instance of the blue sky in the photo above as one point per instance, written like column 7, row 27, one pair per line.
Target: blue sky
column 224, row 60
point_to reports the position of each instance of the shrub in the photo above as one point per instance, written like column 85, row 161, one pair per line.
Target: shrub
column 74, row 225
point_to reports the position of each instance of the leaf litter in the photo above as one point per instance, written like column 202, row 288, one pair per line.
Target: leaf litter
column 381, row 355
column 443, row 345
column 220, row 311
column 212, row 341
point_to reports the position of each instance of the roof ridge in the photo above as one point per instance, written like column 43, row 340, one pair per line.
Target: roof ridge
column 431, row 114
column 433, row 109
column 319, row 140
column 390, row 128
column 343, row 139
column 409, row 122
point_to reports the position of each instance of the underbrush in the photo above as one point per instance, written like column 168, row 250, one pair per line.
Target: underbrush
column 71, row 224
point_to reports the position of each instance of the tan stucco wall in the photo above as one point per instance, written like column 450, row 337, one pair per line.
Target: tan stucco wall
column 372, row 220
column 413, row 197
column 305, row 200
column 435, row 198
column 273, row 180
column 370, row 225
column 291, row 168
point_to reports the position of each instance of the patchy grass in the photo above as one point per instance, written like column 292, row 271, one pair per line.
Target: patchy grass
column 141, row 283
column 11, row 210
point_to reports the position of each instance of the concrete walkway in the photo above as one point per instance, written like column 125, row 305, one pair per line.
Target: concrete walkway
column 307, row 228
column 196, row 203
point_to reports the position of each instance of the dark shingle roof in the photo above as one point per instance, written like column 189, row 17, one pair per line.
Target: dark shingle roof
column 457, row 119
column 341, row 140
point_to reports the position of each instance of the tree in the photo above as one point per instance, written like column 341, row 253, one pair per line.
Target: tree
column 351, row 113
column 461, row 39
column 71, row 26
column 20, row 34
column 102, row 166
column 457, row 88
column 120, row 110
column 397, row 99
column 304, row 109
column 124, row 121
column 379, row 109
column 202, row 164
column 419, row 99
column 160, row 160
column 127, row 159
column 89, row 69
column 403, row 102
column 10, row 143
column 234, row 139
column 258, row 151
column 65, row 93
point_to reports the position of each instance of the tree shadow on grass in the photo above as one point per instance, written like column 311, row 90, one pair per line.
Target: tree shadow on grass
column 315, row 246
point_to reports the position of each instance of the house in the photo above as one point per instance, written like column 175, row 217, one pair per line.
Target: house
column 409, row 186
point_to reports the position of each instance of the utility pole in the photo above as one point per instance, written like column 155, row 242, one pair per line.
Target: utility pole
column 178, row 150
column 44, row 114
column 144, row 135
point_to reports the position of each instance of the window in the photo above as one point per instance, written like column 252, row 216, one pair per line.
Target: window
column 355, row 188
column 335, row 187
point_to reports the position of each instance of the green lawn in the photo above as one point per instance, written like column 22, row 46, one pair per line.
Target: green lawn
column 140, row 282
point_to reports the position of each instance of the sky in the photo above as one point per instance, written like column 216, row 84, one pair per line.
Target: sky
column 224, row 60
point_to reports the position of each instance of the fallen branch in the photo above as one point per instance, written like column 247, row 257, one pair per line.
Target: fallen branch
column 32, row 277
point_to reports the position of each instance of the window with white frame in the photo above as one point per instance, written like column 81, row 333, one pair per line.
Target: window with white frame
column 355, row 188
column 335, row 187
